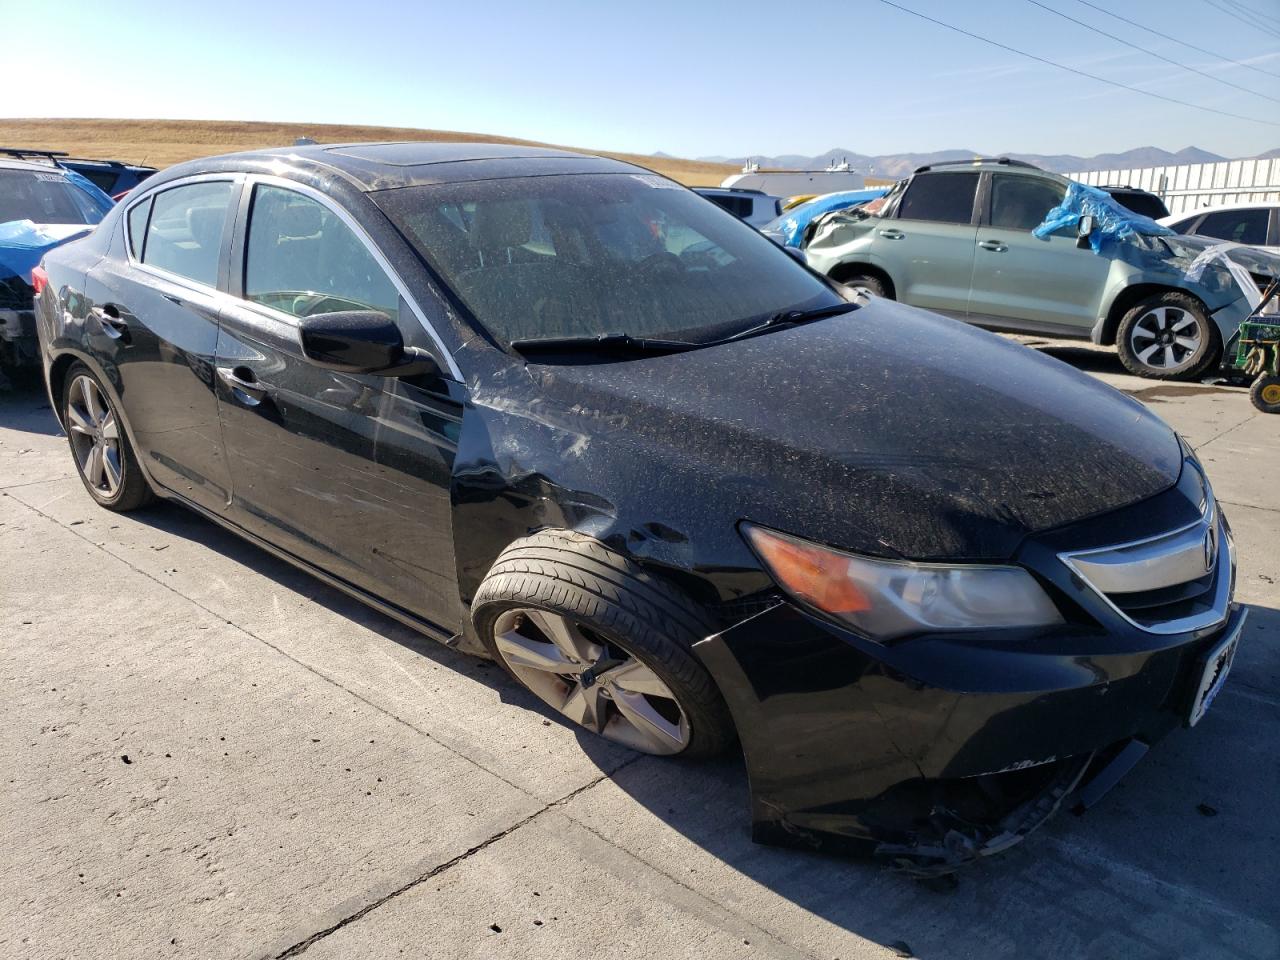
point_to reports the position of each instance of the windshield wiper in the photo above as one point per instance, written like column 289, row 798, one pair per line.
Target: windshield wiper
column 787, row 318
column 596, row 341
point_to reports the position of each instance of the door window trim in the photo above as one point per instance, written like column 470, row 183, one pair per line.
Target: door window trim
column 236, row 179
column 240, row 242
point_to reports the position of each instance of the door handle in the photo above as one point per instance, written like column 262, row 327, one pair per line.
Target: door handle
column 109, row 320
column 892, row 234
column 996, row 246
column 245, row 386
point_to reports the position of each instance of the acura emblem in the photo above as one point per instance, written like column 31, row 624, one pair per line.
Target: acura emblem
column 1210, row 548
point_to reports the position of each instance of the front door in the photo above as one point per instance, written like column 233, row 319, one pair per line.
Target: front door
column 350, row 473
column 154, row 325
column 1025, row 282
column 927, row 246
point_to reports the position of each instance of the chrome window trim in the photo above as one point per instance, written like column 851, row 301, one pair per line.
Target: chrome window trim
column 1210, row 519
column 160, row 272
column 252, row 180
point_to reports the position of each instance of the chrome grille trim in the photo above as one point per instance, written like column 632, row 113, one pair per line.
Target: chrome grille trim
column 1166, row 560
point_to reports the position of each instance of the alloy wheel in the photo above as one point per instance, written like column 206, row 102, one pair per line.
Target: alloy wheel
column 591, row 680
column 95, row 437
column 1165, row 338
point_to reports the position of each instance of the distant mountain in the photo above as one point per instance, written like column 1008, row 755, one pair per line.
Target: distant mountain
column 895, row 165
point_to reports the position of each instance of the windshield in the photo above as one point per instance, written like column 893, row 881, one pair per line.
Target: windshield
column 48, row 198
column 584, row 255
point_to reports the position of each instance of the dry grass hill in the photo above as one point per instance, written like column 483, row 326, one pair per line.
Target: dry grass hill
column 160, row 143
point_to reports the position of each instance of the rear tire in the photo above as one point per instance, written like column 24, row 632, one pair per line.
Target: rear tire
column 622, row 615
column 1265, row 393
column 99, row 443
column 1168, row 336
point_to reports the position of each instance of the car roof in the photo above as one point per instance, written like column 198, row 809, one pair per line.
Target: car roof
column 1246, row 205
column 394, row 164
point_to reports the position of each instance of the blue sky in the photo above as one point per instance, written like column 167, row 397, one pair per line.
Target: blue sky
column 691, row 78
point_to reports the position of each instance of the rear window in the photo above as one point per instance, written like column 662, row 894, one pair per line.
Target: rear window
column 940, row 198
column 47, row 198
column 1143, row 204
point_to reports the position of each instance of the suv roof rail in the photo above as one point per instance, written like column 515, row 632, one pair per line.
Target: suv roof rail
column 20, row 152
column 1005, row 161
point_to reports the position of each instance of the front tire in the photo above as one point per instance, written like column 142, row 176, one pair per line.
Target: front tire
column 868, row 282
column 104, row 459
column 1168, row 336
column 604, row 643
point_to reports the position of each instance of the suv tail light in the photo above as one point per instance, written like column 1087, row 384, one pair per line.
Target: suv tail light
column 39, row 279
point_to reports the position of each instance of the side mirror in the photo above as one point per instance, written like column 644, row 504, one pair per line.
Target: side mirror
column 361, row 341
column 1084, row 229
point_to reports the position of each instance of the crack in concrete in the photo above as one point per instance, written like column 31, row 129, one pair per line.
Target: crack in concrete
column 303, row 945
column 32, row 483
column 1236, row 426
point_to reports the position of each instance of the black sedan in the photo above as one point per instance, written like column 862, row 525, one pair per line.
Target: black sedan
column 559, row 411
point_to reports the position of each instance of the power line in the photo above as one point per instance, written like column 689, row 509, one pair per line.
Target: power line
column 1158, row 56
column 1079, row 73
column 1232, row 12
column 1246, row 9
column 1189, row 46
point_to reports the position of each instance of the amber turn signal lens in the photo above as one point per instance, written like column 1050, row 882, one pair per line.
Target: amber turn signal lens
column 810, row 573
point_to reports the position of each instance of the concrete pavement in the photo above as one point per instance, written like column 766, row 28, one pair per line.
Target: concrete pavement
column 209, row 754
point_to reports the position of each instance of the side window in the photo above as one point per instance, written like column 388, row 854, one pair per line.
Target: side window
column 940, row 197
column 1185, row 225
column 1238, row 226
column 1020, row 203
column 138, row 227
column 184, row 235
column 303, row 260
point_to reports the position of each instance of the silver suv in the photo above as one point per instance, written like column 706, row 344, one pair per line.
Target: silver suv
column 957, row 239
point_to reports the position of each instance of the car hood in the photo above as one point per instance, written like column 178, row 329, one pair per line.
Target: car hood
column 1254, row 259
column 886, row 430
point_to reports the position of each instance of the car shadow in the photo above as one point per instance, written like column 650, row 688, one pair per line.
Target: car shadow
column 24, row 405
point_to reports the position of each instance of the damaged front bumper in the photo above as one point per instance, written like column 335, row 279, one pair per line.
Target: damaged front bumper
column 938, row 751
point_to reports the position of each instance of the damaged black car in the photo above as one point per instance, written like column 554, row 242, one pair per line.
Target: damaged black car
column 562, row 412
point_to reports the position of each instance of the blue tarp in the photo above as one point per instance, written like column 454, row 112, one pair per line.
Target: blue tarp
column 1113, row 222
column 788, row 229
column 23, row 243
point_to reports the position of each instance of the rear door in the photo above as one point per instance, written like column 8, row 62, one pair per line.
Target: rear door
column 927, row 247
column 153, row 324
column 350, row 473
column 1022, row 281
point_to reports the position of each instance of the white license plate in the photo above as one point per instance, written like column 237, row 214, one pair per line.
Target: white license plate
column 1217, row 666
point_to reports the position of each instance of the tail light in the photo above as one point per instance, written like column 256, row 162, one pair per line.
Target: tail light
column 39, row 279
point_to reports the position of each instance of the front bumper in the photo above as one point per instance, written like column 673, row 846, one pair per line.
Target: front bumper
column 941, row 749
column 840, row 738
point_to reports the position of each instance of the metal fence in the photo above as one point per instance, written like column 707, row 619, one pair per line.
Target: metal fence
column 1195, row 185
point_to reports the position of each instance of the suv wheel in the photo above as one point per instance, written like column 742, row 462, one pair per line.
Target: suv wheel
column 1168, row 336
column 867, row 282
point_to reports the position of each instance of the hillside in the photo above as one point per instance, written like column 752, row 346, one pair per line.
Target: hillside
column 160, row 143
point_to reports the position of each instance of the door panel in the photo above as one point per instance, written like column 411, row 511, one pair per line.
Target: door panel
column 157, row 331
column 350, row 473
column 1047, row 284
column 928, row 246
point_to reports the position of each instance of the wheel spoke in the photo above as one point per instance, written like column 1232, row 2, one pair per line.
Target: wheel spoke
column 584, row 705
column 1145, row 355
column 634, row 677
column 1188, row 343
column 92, row 402
column 522, row 651
column 109, row 429
column 566, row 636
column 1169, row 360
column 1187, row 321
column 655, row 729
column 79, row 422
column 95, row 468
column 111, row 467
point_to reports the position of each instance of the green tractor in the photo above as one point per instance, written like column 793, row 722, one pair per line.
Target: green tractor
column 1258, row 353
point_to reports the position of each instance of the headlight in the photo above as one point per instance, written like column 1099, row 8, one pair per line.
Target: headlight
column 885, row 599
